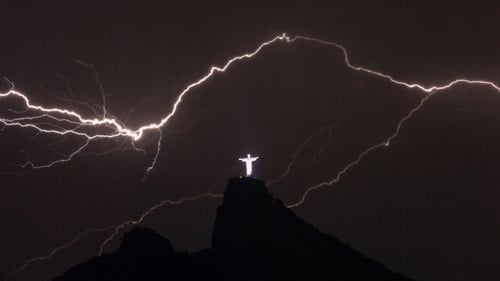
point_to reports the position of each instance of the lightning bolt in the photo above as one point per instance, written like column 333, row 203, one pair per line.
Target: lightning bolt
column 98, row 81
column 59, row 248
column 156, row 155
column 150, row 210
column 117, row 129
column 429, row 91
column 360, row 157
column 116, row 229
column 321, row 131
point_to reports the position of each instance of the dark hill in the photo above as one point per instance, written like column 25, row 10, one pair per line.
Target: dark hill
column 255, row 238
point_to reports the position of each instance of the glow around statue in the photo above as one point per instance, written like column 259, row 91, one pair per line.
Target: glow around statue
column 248, row 161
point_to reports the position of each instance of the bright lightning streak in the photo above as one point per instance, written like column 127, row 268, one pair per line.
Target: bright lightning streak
column 88, row 103
column 119, row 130
column 390, row 78
column 156, row 155
column 430, row 91
column 360, row 157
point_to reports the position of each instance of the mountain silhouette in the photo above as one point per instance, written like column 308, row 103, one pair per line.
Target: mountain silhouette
column 255, row 237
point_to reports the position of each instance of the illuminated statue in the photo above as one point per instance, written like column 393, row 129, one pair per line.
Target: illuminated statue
column 248, row 161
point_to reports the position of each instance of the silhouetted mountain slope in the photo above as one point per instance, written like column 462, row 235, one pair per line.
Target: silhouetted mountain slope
column 255, row 237
column 143, row 255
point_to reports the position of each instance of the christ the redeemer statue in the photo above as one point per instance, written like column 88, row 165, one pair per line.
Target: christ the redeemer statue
column 248, row 161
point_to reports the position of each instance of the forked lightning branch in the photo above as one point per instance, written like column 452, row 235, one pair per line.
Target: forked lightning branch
column 69, row 122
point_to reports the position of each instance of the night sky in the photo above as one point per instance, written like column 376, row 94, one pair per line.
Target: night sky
column 426, row 206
